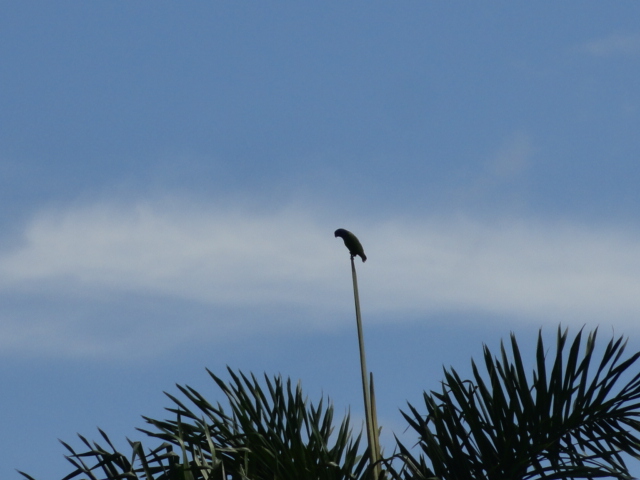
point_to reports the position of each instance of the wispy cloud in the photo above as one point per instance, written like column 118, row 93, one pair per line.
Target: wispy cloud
column 513, row 157
column 615, row 44
column 503, row 176
column 184, row 251
column 289, row 260
column 526, row 269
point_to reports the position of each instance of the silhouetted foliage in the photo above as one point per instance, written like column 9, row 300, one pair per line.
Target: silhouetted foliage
column 571, row 418
column 574, row 416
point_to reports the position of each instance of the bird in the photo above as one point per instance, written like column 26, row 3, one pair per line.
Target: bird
column 352, row 243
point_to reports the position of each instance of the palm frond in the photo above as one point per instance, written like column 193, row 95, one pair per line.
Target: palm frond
column 574, row 417
column 269, row 431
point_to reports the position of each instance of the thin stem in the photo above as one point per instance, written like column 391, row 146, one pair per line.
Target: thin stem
column 374, row 416
column 371, row 422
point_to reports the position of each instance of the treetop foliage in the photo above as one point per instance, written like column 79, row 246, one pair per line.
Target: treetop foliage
column 575, row 415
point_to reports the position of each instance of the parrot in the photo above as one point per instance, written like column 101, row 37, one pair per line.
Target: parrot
column 352, row 243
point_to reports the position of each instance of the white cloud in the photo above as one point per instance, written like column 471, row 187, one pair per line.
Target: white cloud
column 210, row 256
column 615, row 44
column 289, row 259
column 526, row 269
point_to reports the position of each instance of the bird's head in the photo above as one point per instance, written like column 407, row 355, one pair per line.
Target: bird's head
column 341, row 232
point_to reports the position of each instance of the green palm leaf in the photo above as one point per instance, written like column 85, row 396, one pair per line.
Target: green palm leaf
column 574, row 417
column 269, row 431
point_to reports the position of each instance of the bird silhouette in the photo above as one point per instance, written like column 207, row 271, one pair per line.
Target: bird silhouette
column 352, row 243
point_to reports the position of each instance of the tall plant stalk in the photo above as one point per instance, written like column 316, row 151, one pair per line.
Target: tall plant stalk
column 367, row 388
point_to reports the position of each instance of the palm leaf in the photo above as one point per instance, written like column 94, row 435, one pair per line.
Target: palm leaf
column 576, row 416
column 270, row 431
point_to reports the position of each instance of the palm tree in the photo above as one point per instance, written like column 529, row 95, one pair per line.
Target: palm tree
column 270, row 432
column 575, row 416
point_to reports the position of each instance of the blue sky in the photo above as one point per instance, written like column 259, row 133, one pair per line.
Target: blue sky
column 171, row 176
